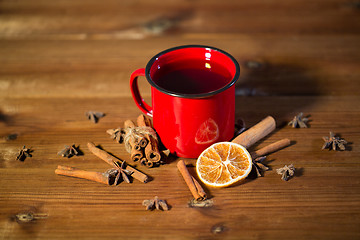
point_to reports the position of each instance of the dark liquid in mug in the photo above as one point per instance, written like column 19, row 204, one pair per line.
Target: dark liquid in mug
column 192, row 80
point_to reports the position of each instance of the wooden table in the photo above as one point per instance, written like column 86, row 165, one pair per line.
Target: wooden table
column 59, row 59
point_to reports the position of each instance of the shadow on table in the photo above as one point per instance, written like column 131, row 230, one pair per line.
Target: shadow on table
column 277, row 90
column 4, row 118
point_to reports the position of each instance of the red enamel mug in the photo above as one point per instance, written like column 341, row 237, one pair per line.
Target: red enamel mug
column 192, row 97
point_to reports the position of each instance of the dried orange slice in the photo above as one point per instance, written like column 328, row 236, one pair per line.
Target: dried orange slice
column 223, row 164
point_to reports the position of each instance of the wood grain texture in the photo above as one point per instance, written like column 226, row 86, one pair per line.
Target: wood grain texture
column 61, row 58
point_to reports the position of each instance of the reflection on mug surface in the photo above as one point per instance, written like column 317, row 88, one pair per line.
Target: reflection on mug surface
column 207, row 133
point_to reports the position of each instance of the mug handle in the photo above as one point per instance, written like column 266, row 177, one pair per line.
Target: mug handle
column 140, row 102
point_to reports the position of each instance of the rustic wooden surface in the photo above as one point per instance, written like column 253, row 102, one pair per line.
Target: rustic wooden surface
column 59, row 59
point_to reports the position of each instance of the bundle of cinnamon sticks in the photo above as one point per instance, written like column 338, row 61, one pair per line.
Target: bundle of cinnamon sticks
column 140, row 141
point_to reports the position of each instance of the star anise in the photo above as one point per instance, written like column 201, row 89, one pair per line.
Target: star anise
column 259, row 166
column 122, row 173
column 24, row 152
column 299, row 121
column 10, row 137
column 207, row 203
column 69, row 151
column 252, row 64
column 156, row 203
column 334, row 142
column 286, row 172
column 117, row 134
column 94, row 116
column 29, row 216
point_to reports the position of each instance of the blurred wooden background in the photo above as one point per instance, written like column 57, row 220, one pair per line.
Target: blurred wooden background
column 61, row 58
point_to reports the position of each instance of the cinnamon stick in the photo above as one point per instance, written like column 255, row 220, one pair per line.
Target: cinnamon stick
column 89, row 175
column 142, row 143
column 152, row 152
column 199, row 188
column 255, row 133
column 147, row 162
column 136, row 151
column 195, row 188
column 111, row 161
column 270, row 148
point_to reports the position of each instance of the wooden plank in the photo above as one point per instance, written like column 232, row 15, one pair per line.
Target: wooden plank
column 282, row 65
column 127, row 20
